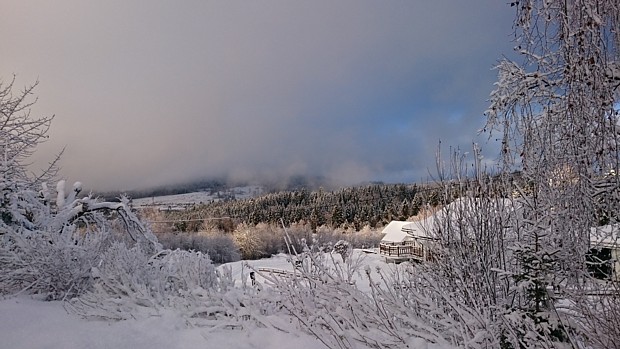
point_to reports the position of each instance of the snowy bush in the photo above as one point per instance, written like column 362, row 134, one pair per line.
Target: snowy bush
column 129, row 282
column 478, row 290
column 343, row 248
column 52, row 248
column 320, row 293
column 55, row 264
column 48, row 241
column 97, row 256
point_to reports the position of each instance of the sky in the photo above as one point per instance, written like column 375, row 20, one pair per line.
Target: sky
column 154, row 92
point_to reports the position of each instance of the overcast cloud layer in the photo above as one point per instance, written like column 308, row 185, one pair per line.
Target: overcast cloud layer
column 153, row 92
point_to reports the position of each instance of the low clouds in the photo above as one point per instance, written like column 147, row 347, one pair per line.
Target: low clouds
column 155, row 92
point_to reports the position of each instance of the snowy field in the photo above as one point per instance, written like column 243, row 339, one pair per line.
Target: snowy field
column 29, row 323
column 26, row 323
column 240, row 270
column 181, row 200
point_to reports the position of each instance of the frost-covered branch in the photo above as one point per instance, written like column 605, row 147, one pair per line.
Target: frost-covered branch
column 556, row 111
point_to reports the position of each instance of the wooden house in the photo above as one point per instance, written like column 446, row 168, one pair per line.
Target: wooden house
column 403, row 241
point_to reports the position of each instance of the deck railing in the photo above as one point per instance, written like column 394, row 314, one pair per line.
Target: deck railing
column 407, row 249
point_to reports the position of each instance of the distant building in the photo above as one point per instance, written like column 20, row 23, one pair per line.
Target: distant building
column 411, row 240
column 404, row 241
column 603, row 259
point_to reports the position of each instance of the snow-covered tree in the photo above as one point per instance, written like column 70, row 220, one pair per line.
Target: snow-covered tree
column 97, row 256
column 557, row 113
column 19, row 135
column 510, row 256
column 49, row 241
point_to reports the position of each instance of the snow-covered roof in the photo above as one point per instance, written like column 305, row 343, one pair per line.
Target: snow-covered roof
column 394, row 232
column 399, row 231
column 416, row 229
column 459, row 209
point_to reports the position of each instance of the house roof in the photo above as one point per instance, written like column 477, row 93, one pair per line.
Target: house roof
column 399, row 231
column 416, row 229
column 394, row 232
column 460, row 209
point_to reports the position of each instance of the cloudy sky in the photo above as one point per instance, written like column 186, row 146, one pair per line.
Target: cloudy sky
column 149, row 92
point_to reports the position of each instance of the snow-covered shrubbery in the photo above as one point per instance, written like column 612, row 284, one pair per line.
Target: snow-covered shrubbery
column 445, row 301
column 47, row 242
column 97, row 256
column 50, row 247
column 129, row 282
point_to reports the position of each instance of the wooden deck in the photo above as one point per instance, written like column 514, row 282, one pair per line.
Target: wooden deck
column 402, row 251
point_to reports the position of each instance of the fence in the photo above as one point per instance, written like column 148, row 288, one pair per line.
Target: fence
column 407, row 249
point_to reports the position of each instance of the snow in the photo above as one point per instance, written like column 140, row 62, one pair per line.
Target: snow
column 394, row 232
column 26, row 322
column 399, row 231
column 281, row 263
column 197, row 197
column 605, row 236
column 60, row 197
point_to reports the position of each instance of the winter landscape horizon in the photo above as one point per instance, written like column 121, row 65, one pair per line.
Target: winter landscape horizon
column 313, row 174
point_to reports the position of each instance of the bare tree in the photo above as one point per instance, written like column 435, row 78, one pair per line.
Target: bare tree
column 556, row 111
column 47, row 245
column 20, row 133
column 505, row 248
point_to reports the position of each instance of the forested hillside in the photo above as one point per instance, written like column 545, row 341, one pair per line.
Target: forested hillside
column 353, row 207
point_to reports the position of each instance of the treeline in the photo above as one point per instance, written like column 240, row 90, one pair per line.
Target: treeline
column 349, row 208
column 184, row 188
column 291, row 183
column 263, row 240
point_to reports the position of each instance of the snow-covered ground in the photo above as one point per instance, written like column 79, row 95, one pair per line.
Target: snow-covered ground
column 26, row 322
column 206, row 196
column 241, row 270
